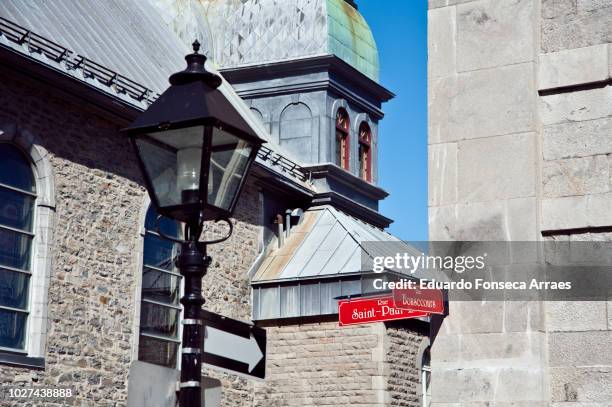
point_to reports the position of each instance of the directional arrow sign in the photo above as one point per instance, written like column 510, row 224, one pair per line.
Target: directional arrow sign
column 234, row 345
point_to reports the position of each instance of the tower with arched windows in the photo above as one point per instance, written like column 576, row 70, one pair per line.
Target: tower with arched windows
column 310, row 69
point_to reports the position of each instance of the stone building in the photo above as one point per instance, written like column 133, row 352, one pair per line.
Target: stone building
column 519, row 149
column 88, row 290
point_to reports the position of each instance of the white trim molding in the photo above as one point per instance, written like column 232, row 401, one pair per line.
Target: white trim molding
column 44, row 225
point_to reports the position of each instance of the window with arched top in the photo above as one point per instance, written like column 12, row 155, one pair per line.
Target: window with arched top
column 425, row 378
column 17, row 226
column 160, row 309
column 365, row 152
column 342, row 138
column 296, row 130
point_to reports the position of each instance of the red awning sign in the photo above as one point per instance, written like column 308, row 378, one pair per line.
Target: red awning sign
column 423, row 300
column 366, row 310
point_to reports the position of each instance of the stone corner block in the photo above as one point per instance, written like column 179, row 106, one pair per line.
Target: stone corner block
column 441, row 23
column 494, row 33
column 586, row 211
column 574, row 67
column 555, row 213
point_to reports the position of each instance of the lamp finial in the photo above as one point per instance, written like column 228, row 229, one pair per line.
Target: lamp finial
column 196, row 70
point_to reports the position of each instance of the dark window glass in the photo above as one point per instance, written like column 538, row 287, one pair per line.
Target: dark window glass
column 160, row 286
column 15, row 169
column 14, row 289
column 16, row 209
column 159, row 320
column 17, row 198
column 157, row 351
column 158, row 252
column 12, row 329
column 159, row 316
column 15, row 249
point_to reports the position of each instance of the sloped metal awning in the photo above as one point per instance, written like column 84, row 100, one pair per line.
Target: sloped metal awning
column 327, row 243
column 320, row 261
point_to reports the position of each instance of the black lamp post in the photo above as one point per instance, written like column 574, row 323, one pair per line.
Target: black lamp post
column 194, row 150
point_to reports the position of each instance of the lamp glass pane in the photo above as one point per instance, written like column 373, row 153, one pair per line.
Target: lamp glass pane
column 172, row 160
column 228, row 163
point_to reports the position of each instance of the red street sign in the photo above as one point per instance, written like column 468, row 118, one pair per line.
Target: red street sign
column 366, row 310
column 415, row 299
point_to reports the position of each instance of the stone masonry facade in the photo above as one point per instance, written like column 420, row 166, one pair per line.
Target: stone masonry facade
column 322, row 364
column 520, row 149
column 95, row 271
column 403, row 351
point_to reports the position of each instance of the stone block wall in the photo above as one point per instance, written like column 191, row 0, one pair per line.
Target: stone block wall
column 575, row 82
column 322, row 364
column 519, row 149
column 404, row 353
column 482, row 120
column 483, row 185
column 95, row 272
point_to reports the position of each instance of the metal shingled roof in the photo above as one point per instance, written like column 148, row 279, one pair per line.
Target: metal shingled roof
column 326, row 243
column 125, row 36
column 248, row 32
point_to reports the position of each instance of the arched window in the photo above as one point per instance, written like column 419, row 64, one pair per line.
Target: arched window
column 365, row 152
column 160, row 309
column 425, row 378
column 296, row 129
column 342, row 139
column 17, row 219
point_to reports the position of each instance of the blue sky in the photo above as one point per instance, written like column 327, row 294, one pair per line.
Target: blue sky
column 400, row 31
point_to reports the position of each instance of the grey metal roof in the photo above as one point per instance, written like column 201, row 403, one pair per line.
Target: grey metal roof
column 98, row 41
column 327, row 243
column 126, row 36
column 248, row 32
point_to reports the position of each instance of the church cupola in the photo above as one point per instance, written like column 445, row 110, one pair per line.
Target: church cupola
column 309, row 70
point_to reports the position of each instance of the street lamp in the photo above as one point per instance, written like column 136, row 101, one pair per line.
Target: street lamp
column 194, row 150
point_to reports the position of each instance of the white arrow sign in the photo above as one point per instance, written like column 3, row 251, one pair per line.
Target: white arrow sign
column 232, row 346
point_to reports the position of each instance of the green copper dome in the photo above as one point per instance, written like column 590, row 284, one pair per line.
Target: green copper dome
column 250, row 32
column 351, row 39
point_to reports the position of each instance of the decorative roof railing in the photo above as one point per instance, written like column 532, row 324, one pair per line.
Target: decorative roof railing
column 122, row 85
column 281, row 162
column 72, row 61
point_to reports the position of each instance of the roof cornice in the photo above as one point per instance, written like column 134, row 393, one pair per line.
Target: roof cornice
column 351, row 207
column 295, row 67
column 330, row 170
